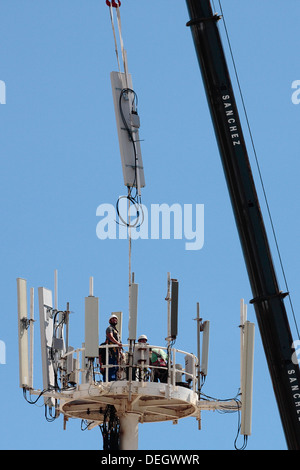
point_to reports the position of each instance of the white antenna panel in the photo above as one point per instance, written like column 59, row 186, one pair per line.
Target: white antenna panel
column 133, row 301
column 46, row 328
column 141, row 355
column 127, row 125
column 31, row 331
column 247, row 379
column 205, row 347
column 23, row 332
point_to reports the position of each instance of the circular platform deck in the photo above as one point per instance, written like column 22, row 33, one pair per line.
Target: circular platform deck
column 152, row 401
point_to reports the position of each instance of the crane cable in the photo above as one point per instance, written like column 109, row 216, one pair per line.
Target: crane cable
column 116, row 5
column 258, row 167
column 114, row 34
column 134, row 200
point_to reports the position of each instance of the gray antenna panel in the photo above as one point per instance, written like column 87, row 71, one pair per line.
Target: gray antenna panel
column 133, row 311
column 91, row 327
column 127, row 123
column 247, row 378
column 205, row 347
column 46, row 325
column 23, row 332
column 174, row 308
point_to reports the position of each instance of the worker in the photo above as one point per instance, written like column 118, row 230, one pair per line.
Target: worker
column 159, row 361
column 114, row 353
column 142, row 339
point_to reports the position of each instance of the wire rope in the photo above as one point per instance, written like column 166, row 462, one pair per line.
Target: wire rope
column 258, row 165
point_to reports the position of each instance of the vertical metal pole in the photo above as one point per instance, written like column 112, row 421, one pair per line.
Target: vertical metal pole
column 198, row 321
column 129, row 240
column 168, row 299
column 55, row 289
column 67, row 325
column 130, row 360
column 132, row 328
column 130, row 351
column 91, row 290
column 198, row 348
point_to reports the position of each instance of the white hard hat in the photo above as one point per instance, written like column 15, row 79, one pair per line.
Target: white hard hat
column 142, row 337
column 113, row 316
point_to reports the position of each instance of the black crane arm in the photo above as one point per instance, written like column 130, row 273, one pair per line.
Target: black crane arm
column 267, row 298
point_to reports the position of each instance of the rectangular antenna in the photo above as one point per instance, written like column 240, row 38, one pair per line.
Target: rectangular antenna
column 174, row 308
column 205, row 347
column 46, row 331
column 91, row 327
column 23, row 332
column 247, row 379
column 243, row 319
column 127, row 125
column 31, row 330
column 133, row 304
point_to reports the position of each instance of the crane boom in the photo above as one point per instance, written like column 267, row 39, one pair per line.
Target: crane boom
column 267, row 297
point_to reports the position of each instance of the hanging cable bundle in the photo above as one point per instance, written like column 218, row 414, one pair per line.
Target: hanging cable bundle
column 134, row 199
column 110, row 429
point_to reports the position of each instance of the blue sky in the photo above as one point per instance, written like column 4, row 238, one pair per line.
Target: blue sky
column 60, row 160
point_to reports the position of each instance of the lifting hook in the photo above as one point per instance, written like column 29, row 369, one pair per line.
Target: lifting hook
column 113, row 3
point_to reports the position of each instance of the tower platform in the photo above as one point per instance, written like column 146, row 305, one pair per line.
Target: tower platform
column 133, row 401
column 152, row 401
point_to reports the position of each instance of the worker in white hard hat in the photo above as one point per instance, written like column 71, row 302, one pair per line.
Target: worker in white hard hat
column 112, row 334
column 142, row 339
column 113, row 337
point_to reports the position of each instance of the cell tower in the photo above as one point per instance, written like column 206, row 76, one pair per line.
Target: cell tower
column 113, row 385
column 152, row 383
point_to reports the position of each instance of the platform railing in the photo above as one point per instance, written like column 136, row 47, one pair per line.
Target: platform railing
column 146, row 371
column 75, row 369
